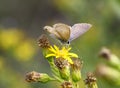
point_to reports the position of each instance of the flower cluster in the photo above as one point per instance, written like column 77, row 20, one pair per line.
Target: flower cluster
column 66, row 66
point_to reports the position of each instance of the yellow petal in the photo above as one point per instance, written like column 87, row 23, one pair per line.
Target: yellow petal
column 52, row 49
column 69, row 48
column 57, row 56
column 56, row 48
column 73, row 55
column 69, row 60
column 49, row 55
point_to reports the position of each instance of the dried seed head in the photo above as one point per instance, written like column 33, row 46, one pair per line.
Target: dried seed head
column 61, row 63
column 32, row 76
column 90, row 78
column 67, row 85
column 43, row 41
column 37, row 77
column 77, row 64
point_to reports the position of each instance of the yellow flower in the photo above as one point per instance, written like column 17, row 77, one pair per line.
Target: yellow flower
column 61, row 53
column 24, row 51
column 10, row 38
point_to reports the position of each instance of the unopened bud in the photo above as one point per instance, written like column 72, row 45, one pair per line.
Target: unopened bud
column 76, row 70
column 112, row 58
column 37, row 77
column 108, row 73
column 64, row 68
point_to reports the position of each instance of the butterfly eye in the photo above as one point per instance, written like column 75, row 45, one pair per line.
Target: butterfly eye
column 68, row 42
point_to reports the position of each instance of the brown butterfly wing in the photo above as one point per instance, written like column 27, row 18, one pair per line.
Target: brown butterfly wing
column 63, row 31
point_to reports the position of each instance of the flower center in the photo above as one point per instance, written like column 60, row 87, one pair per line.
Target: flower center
column 61, row 53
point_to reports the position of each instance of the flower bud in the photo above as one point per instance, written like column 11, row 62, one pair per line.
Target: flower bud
column 37, row 77
column 76, row 70
column 112, row 58
column 110, row 74
column 64, row 68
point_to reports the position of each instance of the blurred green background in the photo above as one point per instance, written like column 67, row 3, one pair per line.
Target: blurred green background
column 22, row 22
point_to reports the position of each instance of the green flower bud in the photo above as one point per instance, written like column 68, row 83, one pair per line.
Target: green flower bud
column 64, row 68
column 112, row 58
column 115, row 61
column 76, row 75
column 37, row 77
column 65, row 73
column 76, row 70
column 110, row 74
column 92, row 85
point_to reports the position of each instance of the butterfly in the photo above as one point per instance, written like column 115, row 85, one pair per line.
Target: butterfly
column 66, row 33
